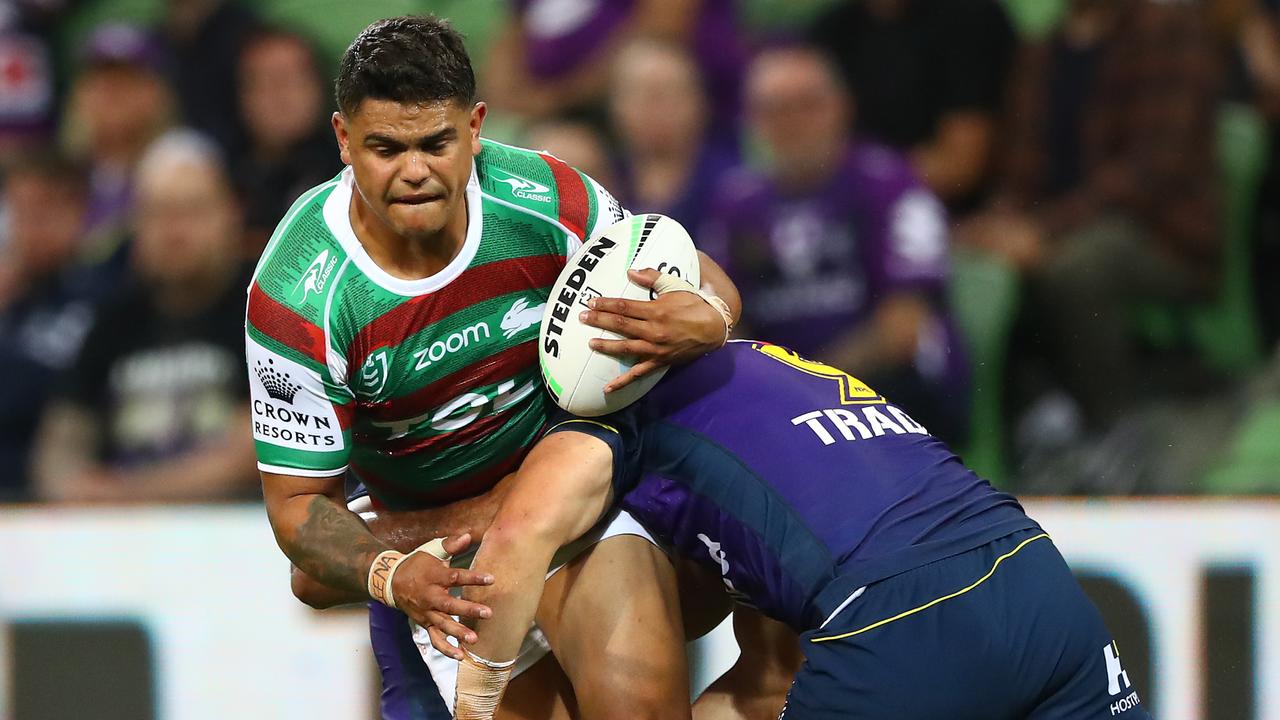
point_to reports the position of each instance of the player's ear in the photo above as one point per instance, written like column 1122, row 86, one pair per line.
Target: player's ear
column 339, row 122
column 477, row 120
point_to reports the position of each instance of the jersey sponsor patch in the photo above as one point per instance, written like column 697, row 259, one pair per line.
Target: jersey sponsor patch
column 522, row 188
column 286, row 412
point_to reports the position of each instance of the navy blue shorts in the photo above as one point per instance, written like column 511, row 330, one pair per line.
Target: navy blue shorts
column 1002, row 631
column 408, row 692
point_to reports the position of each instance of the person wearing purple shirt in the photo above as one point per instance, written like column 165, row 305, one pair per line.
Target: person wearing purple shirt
column 555, row 56
column 658, row 107
column 839, row 250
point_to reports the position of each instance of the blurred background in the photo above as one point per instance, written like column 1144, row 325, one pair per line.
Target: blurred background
column 1050, row 229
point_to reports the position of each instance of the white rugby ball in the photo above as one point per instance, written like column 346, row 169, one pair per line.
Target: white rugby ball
column 574, row 374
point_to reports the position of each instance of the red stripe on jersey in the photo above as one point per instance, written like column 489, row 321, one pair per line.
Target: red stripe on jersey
column 474, row 285
column 346, row 413
column 574, row 205
column 285, row 326
column 474, row 430
column 486, row 371
column 454, row 489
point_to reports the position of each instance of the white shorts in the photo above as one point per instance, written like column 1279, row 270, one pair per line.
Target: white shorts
column 444, row 669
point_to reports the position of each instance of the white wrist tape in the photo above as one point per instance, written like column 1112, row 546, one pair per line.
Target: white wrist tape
column 480, row 686
column 384, row 568
column 670, row 283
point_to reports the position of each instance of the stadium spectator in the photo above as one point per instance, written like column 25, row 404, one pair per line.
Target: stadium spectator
column 28, row 75
column 555, row 58
column 44, row 311
column 670, row 164
column 1109, row 196
column 930, row 80
column 155, row 406
column 290, row 145
column 119, row 102
column 578, row 144
column 839, row 251
column 204, row 39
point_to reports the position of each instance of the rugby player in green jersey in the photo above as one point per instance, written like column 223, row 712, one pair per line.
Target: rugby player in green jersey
column 391, row 332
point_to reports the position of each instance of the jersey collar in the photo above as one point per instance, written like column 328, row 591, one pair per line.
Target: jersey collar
column 339, row 221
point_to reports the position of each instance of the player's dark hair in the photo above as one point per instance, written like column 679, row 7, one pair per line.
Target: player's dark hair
column 407, row 60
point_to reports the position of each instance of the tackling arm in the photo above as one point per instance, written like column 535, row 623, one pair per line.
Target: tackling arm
column 562, row 490
column 462, row 521
column 328, row 542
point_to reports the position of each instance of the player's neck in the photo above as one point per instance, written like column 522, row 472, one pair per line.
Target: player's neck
column 408, row 258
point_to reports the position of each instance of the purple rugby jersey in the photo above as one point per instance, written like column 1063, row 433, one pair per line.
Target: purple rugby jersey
column 812, row 266
column 793, row 480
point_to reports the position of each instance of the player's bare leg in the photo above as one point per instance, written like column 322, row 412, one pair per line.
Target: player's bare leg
column 628, row 661
column 755, row 688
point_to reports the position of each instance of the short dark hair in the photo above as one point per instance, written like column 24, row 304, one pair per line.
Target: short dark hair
column 50, row 165
column 413, row 59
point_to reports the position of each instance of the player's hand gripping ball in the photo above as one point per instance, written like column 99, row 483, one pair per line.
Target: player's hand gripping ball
column 575, row 374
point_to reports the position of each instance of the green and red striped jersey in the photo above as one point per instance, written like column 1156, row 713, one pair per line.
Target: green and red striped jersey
column 427, row 389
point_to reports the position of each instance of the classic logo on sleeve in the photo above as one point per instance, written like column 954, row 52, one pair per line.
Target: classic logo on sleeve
column 290, row 408
column 316, row 275
column 523, row 187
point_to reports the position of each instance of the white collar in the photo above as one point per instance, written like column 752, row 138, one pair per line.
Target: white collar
column 337, row 217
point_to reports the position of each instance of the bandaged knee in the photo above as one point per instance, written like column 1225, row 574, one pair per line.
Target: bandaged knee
column 480, row 686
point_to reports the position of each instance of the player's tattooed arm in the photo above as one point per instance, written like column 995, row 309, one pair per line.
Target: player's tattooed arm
column 328, row 542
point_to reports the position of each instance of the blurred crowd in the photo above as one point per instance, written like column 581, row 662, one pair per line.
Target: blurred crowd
column 1053, row 240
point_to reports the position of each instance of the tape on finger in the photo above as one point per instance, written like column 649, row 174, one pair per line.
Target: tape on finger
column 383, row 569
column 670, row 283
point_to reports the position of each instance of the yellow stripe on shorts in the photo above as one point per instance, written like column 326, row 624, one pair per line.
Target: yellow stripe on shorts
column 562, row 423
column 944, row 598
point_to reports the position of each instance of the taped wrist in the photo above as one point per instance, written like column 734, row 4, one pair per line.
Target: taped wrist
column 380, row 574
column 384, row 567
column 670, row 283
column 480, row 686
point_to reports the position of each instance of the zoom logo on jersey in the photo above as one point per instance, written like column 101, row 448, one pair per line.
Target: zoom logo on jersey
column 460, row 340
column 316, row 275
column 525, row 188
column 569, row 293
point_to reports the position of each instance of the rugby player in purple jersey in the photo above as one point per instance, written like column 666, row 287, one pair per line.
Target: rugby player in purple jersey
column 918, row 590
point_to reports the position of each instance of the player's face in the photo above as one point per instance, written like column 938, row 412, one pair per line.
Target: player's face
column 411, row 161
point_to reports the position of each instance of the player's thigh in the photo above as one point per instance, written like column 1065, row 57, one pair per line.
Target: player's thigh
column 704, row 604
column 756, row 686
column 542, row 692
column 612, row 618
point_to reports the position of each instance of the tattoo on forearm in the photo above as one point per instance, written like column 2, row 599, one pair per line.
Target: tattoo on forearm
column 334, row 547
